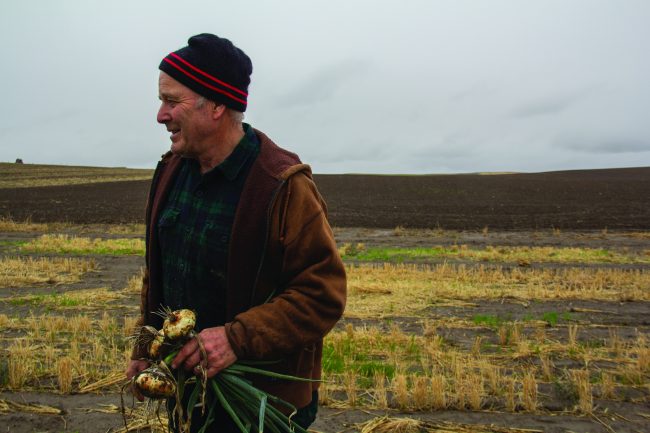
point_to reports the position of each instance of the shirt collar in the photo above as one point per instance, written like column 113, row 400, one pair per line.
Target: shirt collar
column 233, row 164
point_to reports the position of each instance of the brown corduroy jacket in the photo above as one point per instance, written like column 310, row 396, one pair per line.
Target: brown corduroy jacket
column 286, row 284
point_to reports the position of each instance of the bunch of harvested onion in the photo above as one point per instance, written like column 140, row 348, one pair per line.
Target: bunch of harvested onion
column 157, row 381
column 250, row 408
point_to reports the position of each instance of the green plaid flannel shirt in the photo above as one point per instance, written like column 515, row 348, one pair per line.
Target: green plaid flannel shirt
column 194, row 231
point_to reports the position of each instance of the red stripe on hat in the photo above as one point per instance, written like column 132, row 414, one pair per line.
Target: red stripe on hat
column 185, row 62
column 198, row 80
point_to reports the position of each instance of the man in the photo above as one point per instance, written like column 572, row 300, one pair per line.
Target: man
column 236, row 231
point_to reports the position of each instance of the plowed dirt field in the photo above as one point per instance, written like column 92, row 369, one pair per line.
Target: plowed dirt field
column 577, row 200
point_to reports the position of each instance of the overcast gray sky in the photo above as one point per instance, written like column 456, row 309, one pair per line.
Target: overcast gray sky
column 402, row 86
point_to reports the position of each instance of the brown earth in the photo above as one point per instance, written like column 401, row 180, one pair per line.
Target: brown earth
column 86, row 413
column 580, row 199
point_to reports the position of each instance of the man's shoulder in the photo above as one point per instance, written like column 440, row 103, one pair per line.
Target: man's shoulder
column 166, row 169
column 276, row 161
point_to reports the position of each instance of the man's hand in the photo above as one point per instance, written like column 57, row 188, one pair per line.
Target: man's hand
column 217, row 348
column 135, row 367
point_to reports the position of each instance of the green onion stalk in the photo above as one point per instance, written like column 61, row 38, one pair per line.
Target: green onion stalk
column 246, row 405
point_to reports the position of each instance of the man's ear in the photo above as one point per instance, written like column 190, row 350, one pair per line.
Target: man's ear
column 218, row 110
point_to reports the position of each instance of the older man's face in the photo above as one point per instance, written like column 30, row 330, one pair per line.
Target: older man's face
column 191, row 125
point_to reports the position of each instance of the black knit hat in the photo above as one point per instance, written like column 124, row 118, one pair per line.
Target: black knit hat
column 213, row 67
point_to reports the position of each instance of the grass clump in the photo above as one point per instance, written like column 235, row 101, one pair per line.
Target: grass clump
column 126, row 229
column 553, row 317
column 382, row 290
column 16, row 272
column 63, row 353
column 493, row 254
column 88, row 299
column 64, row 244
column 9, row 225
column 366, row 351
column 489, row 320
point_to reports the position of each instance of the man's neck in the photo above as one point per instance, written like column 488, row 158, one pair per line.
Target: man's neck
column 224, row 146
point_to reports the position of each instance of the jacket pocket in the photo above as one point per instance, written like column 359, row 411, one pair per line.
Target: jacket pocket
column 305, row 361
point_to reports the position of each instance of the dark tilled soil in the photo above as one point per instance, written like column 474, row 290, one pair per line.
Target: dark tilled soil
column 111, row 202
column 581, row 199
column 584, row 199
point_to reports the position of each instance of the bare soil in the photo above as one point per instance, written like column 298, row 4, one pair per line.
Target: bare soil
column 578, row 200
column 581, row 199
column 86, row 413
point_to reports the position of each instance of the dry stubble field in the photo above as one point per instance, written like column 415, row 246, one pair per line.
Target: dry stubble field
column 474, row 330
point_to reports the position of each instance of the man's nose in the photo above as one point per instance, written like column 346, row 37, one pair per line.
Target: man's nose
column 163, row 114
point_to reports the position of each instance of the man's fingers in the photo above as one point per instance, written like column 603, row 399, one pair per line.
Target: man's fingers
column 212, row 371
column 136, row 393
column 217, row 356
column 212, row 368
column 214, row 364
column 193, row 360
column 187, row 351
column 135, row 367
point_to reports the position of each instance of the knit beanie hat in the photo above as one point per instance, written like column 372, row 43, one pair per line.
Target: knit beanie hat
column 212, row 67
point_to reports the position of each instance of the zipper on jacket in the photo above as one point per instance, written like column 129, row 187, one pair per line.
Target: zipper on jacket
column 265, row 245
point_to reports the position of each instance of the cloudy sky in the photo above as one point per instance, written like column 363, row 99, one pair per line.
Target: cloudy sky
column 400, row 86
